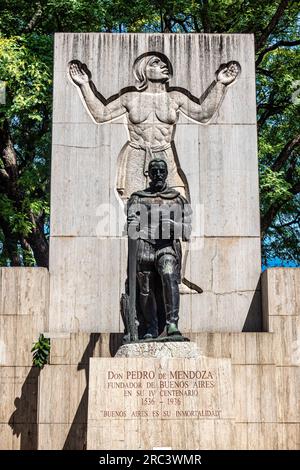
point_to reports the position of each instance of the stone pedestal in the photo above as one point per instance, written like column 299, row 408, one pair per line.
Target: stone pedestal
column 164, row 400
column 156, row 349
column 49, row 410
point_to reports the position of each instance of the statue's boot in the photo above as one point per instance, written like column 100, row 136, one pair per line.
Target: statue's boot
column 148, row 304
column 172, row 330
column 171, row 301
column 150, row 318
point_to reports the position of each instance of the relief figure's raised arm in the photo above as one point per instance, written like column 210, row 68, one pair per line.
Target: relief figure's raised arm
column 203, row 109
column 100, row 109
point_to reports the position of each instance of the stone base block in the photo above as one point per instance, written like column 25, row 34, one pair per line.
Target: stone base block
column 146, row 402
column 156, row 349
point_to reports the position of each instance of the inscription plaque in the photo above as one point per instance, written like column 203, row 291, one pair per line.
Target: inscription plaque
column 160, row 388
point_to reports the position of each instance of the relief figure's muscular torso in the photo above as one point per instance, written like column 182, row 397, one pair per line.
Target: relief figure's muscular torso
column 151, row 118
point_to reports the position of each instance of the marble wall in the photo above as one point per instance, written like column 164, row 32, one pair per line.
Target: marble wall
column 48, row 409
column 218, row 157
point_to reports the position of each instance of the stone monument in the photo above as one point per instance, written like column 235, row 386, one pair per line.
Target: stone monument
column 119, row 101
column 188, row 103
column 129, row 101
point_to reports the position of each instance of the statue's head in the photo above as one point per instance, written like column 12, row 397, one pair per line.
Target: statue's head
column 158, row 173
column 152, row 66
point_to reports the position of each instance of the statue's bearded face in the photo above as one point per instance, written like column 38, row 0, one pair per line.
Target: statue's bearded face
column 157, row 70
column 158, row 174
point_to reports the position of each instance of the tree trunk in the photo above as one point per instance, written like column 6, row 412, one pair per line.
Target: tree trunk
column 39, row 243
column 9, row 178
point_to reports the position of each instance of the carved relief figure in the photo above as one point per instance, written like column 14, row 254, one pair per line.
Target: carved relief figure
column 152, row 110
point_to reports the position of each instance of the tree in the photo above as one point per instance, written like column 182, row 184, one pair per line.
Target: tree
column 26, row 63
column 25, row 148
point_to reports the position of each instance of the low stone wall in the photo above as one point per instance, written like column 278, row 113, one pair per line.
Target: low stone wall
column 49, row 409
column 24, row 296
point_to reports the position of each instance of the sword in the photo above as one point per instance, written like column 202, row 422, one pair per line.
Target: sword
column 132, row 320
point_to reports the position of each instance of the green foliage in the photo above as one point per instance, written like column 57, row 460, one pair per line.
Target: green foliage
column 26, row 64
column 278, row 119
column 41, row 351
column 275, row 187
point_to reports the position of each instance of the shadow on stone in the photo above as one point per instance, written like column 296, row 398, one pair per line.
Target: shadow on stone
column 253, row 322
column 77, row 435
column 23, row 420
column 115, row 341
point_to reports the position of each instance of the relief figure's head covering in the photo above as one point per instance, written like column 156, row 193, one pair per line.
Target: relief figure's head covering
column 140, row 64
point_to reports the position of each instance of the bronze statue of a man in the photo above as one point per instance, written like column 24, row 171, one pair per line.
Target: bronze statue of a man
column 158, row 217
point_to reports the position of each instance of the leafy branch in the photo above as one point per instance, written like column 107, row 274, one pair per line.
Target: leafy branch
column 41, row 351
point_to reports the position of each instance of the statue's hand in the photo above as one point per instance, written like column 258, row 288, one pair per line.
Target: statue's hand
column 228, row 73
column 79, row 72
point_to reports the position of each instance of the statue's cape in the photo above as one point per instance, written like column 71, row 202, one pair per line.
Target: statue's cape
column 167, row 193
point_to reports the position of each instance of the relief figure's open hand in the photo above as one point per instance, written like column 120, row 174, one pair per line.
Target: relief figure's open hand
column 79, row 72
column 228, row 73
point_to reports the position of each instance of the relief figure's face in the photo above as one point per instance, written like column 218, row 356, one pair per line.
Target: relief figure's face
column 157, row 70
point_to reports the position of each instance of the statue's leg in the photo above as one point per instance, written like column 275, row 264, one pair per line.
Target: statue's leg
column 148, row 303
column 167, row 267
column 145, row 278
